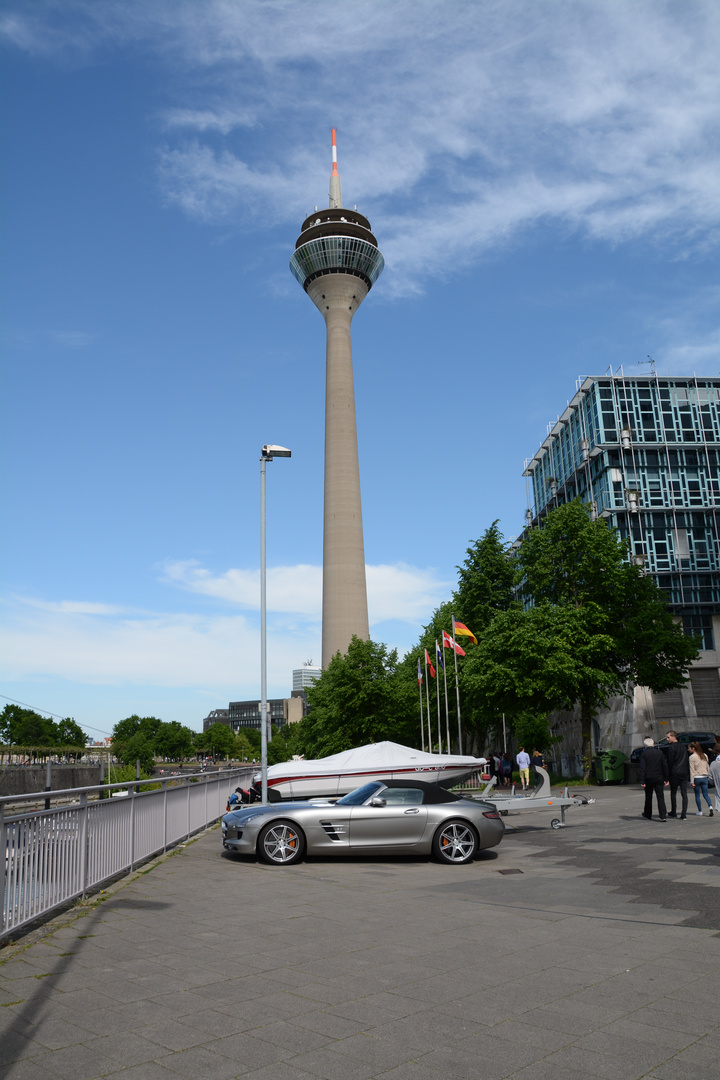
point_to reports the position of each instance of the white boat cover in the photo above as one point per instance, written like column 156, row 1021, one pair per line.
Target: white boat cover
column 381, row 756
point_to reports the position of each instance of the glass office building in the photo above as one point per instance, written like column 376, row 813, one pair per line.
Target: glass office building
column 644, row 452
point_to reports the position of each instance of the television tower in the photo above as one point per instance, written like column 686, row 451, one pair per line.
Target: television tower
column 337, row 262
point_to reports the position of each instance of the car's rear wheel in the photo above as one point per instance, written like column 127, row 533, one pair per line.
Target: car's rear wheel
column 455, row 842
column 281, row 843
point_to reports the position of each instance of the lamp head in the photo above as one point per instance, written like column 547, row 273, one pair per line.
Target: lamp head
column 270, row 451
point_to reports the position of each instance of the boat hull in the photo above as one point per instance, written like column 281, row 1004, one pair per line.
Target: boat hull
column 322, row 784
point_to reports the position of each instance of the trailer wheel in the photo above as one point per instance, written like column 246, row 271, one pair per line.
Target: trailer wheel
column 556, row 823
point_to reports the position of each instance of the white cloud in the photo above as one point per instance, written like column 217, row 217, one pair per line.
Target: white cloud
column 96, row 644
column 463, row 125
column 399, row 592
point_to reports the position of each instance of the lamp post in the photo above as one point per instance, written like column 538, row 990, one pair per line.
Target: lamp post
column 268, row 453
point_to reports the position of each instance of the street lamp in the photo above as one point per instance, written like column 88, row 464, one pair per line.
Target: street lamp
column 268, row 453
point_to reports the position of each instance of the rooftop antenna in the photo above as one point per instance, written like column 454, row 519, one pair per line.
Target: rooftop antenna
column 335, row 193
column 651, row 362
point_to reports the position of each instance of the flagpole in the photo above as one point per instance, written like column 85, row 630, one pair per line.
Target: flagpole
column 422, row 719
column 447, row 713
column 457, row 690
column 437, row 688
column 427, row 702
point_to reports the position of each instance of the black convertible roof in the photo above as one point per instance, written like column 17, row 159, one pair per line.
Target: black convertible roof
column 432, row 793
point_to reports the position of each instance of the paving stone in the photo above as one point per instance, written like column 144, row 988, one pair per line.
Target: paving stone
column 396, row 967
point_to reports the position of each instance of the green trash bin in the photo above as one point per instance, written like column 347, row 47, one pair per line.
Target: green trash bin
column 610, row 766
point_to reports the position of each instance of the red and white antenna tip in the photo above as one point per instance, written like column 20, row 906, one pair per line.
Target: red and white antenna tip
column 334, row 154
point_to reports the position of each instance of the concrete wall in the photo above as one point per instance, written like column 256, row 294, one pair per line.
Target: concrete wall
column 26, row 779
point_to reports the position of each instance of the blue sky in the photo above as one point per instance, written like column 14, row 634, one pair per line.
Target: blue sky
column 544, row 183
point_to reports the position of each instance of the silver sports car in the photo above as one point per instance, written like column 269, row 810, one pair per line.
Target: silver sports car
column 404, row 817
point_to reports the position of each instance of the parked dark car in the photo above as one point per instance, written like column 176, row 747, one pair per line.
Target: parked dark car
column 706, row 739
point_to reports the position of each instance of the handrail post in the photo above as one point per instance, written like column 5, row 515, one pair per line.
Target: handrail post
column 5, row 842
column 83, row 842
column 132, row 826
column 188, row 810
column 165, row 791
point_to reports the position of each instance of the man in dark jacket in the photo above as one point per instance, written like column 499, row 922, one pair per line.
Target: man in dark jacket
column 654, row 775
column 679, row 768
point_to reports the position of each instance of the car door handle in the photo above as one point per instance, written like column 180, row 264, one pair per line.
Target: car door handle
column 415, row 810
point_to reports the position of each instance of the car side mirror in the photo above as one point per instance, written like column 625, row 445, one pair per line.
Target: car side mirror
column 377, row 801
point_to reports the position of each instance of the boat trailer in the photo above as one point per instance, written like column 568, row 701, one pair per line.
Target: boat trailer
column 540, row 798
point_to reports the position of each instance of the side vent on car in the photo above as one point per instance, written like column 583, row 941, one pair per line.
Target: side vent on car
column 335, row 832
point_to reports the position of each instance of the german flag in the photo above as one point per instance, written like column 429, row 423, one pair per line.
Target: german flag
column 461, row 628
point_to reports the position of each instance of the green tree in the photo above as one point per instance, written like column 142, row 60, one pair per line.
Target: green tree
column 173, row 740
column 70, row 734
column 218, row 739
column 486, row 581
column 133, row 739
column 284, row 743
column 485, row 587
column 242, row 747
column 593, row 624
column 25, row 727
column 361, row 697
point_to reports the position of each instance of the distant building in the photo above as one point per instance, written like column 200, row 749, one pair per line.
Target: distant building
column 305, row 676
column 246, row 714
column 644, row 452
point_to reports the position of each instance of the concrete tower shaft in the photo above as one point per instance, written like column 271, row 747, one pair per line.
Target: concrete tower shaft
column 337, row 261
column 345, row 611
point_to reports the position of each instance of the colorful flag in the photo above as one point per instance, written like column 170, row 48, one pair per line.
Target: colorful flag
column 428, row 661
column 419, row 674
column 439, row 655
column 461, row 628
column 448, row 643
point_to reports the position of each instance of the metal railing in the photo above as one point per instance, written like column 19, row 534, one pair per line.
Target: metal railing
column 54, row 856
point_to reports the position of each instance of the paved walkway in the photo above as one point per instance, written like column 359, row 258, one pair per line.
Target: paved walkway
column 600, row 959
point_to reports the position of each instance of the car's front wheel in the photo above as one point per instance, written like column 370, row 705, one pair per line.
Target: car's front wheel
column 455, row 842
column 281, row 843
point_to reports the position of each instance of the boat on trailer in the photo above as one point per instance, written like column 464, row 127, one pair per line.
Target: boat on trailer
column 340, row 773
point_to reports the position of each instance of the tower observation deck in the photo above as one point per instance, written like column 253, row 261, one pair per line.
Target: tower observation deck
column 337, row 261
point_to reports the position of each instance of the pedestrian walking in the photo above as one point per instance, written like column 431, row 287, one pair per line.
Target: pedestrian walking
column 537, row 762
column 507, row 769
column 523, row 760
column 715, row 774
column 679, row 769
column 699, row 772
column 654, row 777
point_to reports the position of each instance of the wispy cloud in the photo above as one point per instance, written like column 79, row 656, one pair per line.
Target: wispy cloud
column 94, row 644
column 477, row 122
column 399, row 592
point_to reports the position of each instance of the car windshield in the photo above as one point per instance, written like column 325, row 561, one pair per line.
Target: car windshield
column 360, row 795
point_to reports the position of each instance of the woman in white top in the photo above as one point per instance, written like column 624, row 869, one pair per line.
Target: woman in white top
column 699, row 770
column 715, row 773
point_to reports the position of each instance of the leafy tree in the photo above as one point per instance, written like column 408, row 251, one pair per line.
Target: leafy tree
column 485, row 587
column 70, row 734
column 173, row 740
column 218, row 739
column 486, row 581
column 242, row 747
column 133, row 739
column 594, row 623
column 361, row 697
column 25, row 727
column 284, row 743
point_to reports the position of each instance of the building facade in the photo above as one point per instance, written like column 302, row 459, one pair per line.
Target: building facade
column 644, row 452
column 305, row 676
column 246, row 714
